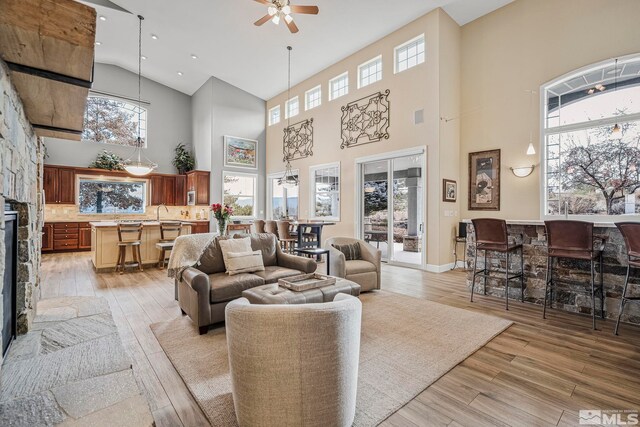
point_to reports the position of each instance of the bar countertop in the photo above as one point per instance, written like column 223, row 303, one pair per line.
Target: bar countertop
column 541, row 222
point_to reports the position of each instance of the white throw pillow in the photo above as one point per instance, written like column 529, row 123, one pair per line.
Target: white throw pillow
column 244, row 262
column 234, row 245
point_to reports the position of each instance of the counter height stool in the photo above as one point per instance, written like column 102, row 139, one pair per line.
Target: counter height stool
column 129, row 235
column 573, row 240
column 631, row 233
column 491, row 235
column 169, row 232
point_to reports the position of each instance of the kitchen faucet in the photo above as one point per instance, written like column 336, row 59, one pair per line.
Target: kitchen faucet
column 158, row 211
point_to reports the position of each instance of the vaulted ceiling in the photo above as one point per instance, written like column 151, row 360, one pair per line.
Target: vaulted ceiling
column 221, row 34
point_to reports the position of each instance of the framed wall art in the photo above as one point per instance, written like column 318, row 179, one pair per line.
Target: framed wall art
column 484, row 181
column 449, row 190
column 240, row 152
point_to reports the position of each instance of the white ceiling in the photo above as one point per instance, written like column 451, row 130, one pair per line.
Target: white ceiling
column 221, row 33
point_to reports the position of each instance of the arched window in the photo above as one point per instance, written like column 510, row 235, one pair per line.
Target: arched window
column 111, row 120
column 591, row 131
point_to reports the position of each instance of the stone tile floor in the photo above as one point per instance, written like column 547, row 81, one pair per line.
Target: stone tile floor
column 71, row 370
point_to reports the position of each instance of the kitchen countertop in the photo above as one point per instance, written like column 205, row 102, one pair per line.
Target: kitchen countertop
column 541, row 222
column 147, row 223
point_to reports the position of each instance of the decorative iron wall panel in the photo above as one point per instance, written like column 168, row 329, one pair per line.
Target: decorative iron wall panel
column 365, row 120
column 297, row 142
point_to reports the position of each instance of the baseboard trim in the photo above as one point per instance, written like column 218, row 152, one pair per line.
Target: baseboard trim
column 439, row 268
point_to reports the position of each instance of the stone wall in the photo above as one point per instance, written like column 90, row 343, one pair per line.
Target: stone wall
column 20, row 174
column 572, row 297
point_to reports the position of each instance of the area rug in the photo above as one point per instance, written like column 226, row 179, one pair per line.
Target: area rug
column 407, row 344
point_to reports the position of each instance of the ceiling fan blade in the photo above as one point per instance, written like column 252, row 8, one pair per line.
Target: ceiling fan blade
column 262, row 20
column 311, row 10
column 292, row 26
column 263, row 1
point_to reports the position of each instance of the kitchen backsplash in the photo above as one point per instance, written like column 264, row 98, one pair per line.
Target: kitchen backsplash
column 70, row 213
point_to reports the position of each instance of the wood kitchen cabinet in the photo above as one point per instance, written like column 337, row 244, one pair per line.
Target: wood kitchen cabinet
column 164, row 190
column 199, row 227
column 181, row 190
column 198, row 182
column 47, row 238
column 66, row 236
column 84, row 235
column 59, row 185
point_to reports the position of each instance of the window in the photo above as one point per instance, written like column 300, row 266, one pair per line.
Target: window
column 313, row 98
column 274, row 115
column 409, row 54
column 370, row 72
column 291, row 107
column 339, row 86
column 111, row 196
column 112, row 120
column 325, row 191
column 239, row 192
column 591, row 135
column 284, row 200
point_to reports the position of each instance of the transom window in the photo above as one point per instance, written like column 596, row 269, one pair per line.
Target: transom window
column 325, row 191
column 111, row 196
column 291, row 107
column 239, row 192
column 592, row 141
column 274, row 115
column 409, row 54
column 313, row 98
column 339, row 86
column 112, row 120
column 370, row 72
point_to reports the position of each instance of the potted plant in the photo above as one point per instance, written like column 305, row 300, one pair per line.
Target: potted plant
column 107, row 160
column 222, row 214
column 183, row 160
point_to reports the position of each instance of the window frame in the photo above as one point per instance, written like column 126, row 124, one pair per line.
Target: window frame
column 367, row 64
column 145, row 105
column 306, row 98
column 336, row 78
column 312, row 191
column 269, row 116
column 116, row 179
column 286, row 107
column 405, row 44
column 227, row 172
column 275, row 176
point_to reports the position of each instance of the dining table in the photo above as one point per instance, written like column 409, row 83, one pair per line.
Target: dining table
column 315, row 227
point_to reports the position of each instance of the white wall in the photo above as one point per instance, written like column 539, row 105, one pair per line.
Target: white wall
column 169, row 121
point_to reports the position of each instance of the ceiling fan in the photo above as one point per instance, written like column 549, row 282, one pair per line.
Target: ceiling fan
column 282, row 9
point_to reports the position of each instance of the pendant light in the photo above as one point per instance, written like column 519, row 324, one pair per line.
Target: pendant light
column 288, row 180
column 616, row 132
column 139, row 164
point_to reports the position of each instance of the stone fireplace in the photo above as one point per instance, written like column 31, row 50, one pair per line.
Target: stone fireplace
column 21, row 157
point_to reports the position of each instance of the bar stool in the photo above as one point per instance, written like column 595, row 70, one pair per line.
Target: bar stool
column 166, row 240
column 631, row 233
column 271, row 227
column 125, row 230
column 573, row 240
column 287, row 241
column 259, row 225
column 492, row 236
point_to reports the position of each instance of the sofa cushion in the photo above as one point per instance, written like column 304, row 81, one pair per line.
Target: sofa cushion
column 266, row 243
column 351, row 251
column 359, row 266
column 211, row 260
column 225, row 287
column 272, row 273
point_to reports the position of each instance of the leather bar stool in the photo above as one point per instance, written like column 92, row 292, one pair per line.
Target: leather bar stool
column 631, row 233
column 287, row 241
column 129, row 236
column 573, row 240
column 169, row 232
column 492, row 236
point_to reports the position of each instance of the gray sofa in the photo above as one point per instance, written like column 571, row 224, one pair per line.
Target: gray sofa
column 365, row 271
column 205, row 289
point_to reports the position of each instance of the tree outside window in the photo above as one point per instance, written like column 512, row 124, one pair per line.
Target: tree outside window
column 112, row 121
column 239, row 193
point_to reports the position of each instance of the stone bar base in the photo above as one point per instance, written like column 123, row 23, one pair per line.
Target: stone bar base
column 568, row 297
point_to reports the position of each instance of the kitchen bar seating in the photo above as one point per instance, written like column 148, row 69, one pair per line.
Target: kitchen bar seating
column 631, row 233
column 573, row 240
column 129, row 235
column 491, row 235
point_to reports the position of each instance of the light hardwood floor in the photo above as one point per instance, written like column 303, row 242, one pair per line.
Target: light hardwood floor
column 537, row 372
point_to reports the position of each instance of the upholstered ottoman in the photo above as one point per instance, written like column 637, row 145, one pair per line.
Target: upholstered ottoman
column 274, row 294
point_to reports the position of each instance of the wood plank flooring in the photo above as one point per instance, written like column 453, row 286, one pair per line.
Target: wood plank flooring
column 536, row 373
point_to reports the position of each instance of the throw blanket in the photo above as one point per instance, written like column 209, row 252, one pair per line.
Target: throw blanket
column 186, row 252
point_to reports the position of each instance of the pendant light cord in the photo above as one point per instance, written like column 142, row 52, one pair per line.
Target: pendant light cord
column 140, row 17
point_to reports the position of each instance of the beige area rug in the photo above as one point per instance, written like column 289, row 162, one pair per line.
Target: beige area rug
column 407, row 344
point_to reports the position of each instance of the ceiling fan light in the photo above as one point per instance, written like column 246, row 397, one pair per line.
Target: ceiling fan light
column 288, row 19
column 271, row 10
column 276, row 19
column 286, row 10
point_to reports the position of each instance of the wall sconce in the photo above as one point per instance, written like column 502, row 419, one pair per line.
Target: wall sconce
column 523, row 172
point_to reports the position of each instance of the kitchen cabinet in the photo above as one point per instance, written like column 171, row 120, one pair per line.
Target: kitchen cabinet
column 47, row 238
column 59, row 185
column 198, row 182
column 169, row 190
column 199, row 227
column 84, row 236
column 163, row 190
column 66, row 236
column 181, row 190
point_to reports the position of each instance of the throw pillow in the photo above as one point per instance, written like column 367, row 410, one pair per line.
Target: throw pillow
column 244, row 262
column 211, row 260
column 351, row 251
column 234, row 245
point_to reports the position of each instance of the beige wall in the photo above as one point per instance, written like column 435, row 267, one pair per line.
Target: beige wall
column 414, row 89
column 518, row 48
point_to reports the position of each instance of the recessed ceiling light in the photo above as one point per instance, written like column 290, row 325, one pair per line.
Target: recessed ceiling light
column 194, row 56
column 98, row 43
column 103, row 18
column 143, row 57
column 153, row 36
column 180, row 73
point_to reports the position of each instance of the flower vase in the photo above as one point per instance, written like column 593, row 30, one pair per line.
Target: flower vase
column 222, row 227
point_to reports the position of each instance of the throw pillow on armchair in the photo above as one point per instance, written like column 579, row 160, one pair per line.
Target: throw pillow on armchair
column 351, row 251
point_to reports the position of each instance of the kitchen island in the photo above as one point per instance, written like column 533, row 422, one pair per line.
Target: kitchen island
column 104, row 243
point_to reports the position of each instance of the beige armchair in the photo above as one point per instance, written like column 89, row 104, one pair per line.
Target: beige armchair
column 294, row 365
column 365, row 271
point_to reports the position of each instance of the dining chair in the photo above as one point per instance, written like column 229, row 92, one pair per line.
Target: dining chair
column 287, row 241
column 271, row 227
